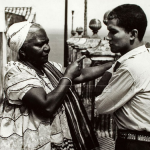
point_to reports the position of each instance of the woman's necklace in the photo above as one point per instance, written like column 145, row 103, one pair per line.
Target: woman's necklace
column 39, row 75
column 39, row 72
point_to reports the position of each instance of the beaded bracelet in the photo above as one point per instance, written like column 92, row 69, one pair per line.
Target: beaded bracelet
column 66, row 78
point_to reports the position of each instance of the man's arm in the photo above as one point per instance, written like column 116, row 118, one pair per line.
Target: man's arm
column 119, row 91
column 92, row 73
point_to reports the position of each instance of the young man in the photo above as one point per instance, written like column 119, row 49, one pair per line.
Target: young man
column 127, row 94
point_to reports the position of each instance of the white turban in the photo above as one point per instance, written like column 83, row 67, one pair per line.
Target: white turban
column 16, row 35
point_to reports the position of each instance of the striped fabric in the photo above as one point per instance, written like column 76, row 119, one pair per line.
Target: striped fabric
column 21, row 128
column 81, row 130
column 19, row 14
column 21, row 11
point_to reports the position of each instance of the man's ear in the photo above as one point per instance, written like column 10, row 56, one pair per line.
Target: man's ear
column 134, row 34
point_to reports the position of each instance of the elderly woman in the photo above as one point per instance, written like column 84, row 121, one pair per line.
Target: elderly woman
column 41, row 109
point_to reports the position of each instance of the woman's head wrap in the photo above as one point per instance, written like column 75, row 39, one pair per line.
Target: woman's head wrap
column 16, row 35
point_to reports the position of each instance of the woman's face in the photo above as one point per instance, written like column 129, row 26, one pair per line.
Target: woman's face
column 37, row 46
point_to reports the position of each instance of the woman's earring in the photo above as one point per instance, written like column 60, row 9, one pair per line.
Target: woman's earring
column 22, row 54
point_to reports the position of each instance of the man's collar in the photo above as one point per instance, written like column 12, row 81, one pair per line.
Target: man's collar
column 126, row 56
column 132, row 53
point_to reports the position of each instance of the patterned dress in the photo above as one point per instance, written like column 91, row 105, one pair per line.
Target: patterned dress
column 20, row 127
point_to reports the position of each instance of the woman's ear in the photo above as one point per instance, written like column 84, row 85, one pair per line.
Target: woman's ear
column 22, row 53
column 134, row 34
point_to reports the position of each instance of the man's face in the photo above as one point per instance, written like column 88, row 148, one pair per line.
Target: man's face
column 119, row 39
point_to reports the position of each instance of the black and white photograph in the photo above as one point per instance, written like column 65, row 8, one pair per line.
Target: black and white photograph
column 74, row 75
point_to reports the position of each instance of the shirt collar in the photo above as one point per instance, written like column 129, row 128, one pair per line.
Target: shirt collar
column 132, row 53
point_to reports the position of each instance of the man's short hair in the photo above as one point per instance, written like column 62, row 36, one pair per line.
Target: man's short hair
column 130, row 16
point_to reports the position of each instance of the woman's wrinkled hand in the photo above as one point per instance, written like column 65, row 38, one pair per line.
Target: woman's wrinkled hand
column 74, row 69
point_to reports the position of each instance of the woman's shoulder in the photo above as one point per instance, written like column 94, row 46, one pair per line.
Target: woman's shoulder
column 15, row 67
